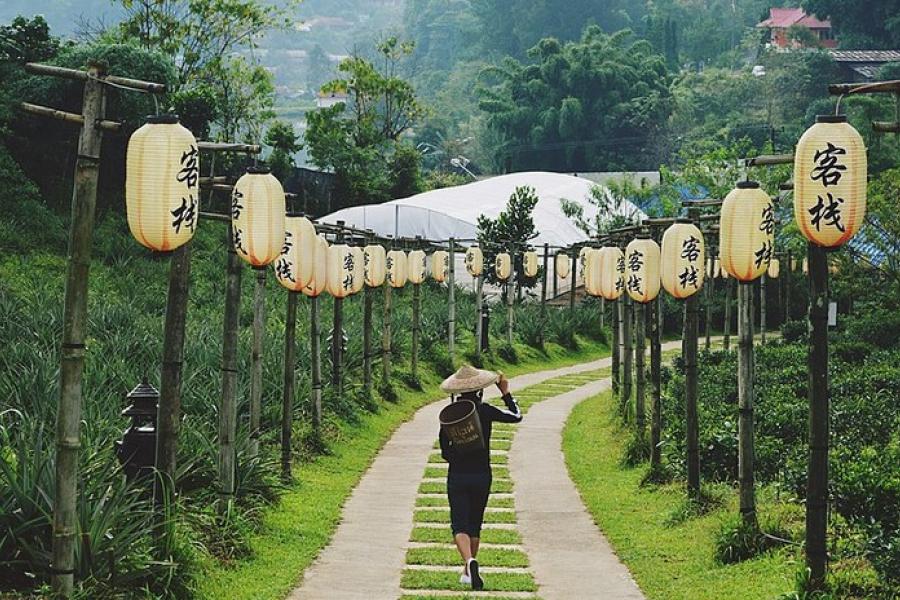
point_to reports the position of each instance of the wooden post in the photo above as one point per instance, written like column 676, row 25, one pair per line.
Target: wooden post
column 72, row 351
column 745, row 403
column 510, row 290
column 656, row 385
column 451, row 300
column 786, row 283
column 416, row 329
column 368, row 300
column 256, row 358
column 817, row 474
column 479, row 306
column 709, row 293
column 387, row 316
column 574, row 280
column 555, row 280
column 762, row 307
column 287, row 398
column 729, row 292
column 627, row 355
column 316, row 365
column 169, row 410
column 692, row 426
column 337, row 335
column 616, row 350
column 228, row 406
column 544, row 280
column 640, row 326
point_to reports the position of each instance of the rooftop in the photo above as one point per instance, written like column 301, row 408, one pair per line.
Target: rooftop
column 783, row 18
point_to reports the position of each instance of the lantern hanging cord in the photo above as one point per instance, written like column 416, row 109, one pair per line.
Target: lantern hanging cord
column 105, row 81
column 837, row 105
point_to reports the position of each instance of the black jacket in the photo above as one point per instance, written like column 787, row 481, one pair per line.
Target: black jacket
column 479, row 461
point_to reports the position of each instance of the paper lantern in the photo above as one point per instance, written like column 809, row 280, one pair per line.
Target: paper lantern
column 374, row 260
column 294, row 268
column 642, row 270
column 359, row 269
column 530, row 263
column 612, row 272
column 418, row 267
column 582, row 259
column 440, row 265
column 592, row 272
column 474, row 261
column 503, row 266
column 319, row 280
column 563, row 265
column 717, row 268
column 341, row 270
column 747, row 231
column 257, row 217
column 774, row 269
column 830, row 168
column 396, row 265
column 682, row 258
column 805, row 267
column 162, row 184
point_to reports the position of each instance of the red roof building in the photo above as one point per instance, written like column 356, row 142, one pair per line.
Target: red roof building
column 782, row 19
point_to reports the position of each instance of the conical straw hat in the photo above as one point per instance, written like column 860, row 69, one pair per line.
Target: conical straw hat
column 468, row 379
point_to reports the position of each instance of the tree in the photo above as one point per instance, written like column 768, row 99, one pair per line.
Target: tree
column 865, row 24
column 358, row 138
column 511, row 232
column 595, row 104
column 284, row 143
column 318, row 68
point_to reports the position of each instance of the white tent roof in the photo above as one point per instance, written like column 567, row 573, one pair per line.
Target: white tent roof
column 453, row 212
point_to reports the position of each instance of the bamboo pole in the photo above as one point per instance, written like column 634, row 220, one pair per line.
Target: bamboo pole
column 451, row 300
column 746, row 393
column 387, row 316
column 616, row 350
column 817, row 474
column 640, row 326
column 656, row 385
column 287, row 398
column 574, row 281
column 256, row 359
column 168, row 418
column 627, row 341
column 368, row 300
column 72, row 351
column 692, row 426
column 729, row 292
column 510, row 290
column 315, row 355
column 337, row 333
column 544, row 275
column 228, row 406
column 708, row 301
column 416, row 329
column 479, row 307
column 762, row 307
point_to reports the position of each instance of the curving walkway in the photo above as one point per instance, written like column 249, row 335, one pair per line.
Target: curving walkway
column 541, row 528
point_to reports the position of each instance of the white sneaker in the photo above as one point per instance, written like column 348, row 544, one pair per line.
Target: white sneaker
column 465, row 579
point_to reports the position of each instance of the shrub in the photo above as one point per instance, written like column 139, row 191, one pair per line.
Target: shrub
column 562, row 326
column 508, row 353
column 439, row 358
column 737, row 540
column 636, row 451
column 794, row 331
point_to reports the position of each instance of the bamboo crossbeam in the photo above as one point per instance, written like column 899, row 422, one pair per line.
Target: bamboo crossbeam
column 229, row 147
column 61, row 115
column 886, row 126
column 78, row 75
column 765, row 160
column 786, row 186
column 207, row 181
column 708, row 217
column 879, row 87
column 702, row 203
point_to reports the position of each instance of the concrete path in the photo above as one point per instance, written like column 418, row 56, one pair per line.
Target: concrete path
column 365, row 558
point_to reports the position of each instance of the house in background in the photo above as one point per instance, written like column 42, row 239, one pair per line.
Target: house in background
column 781, row 20
column 862, row 66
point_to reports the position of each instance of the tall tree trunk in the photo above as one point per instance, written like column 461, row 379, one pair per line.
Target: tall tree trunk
column 745, row 402
column 616, row 349
column 692, row 426
column 228, row 408
column 640, row 326
column 287, row 398
column 729, row 293
column 256, row 362
column 315, row 355
column 627, row 356
column 655, row 377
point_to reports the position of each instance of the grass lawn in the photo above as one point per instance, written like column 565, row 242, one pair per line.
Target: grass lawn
column 449, row 556
column 441, row 501
column 460, row 597
column 442, row 535
column 438, row 515
column 448, row 580
column 293, row 533
column 669, row 562
column 502, row 486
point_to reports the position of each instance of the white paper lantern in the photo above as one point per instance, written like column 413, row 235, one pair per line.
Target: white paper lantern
column 503, row 266
column 374, row 263
column 397, row 265
column 341, row 270
column 530, row 263
column 747, row 231
column 612, row 272
column 440, row 265
column 593, row 273
column 774, row 269
column 474, row 261
column 683, row 255
column 418, row 267
column 359, row 269
column 162, row 184
column 294, row 268
column 563, row 265
column 642, row 281
column 319, row 280
column 257, row 217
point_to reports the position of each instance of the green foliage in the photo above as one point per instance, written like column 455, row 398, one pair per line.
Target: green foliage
column 508, row 354
column 284, row 143
column 860, row 24
column 359, row 138
column 560, row 113
column 637, row 450
column 794, row 331
column 509, row 232
column 25, row 40
column 738, row 540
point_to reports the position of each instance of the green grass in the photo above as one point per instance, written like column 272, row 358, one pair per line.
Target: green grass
column 447, row 580
column 442, row 535
column 668, row 562
column 442, row 502
column 294, row 532
column 456, row 597
column 491, row 557
column 440, row 487
column 443, row 516
column 432, row 472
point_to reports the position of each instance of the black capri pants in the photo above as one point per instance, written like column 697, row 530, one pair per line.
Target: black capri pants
column 468, row 494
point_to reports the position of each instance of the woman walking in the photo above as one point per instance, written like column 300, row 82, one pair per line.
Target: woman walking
column 469, row 474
